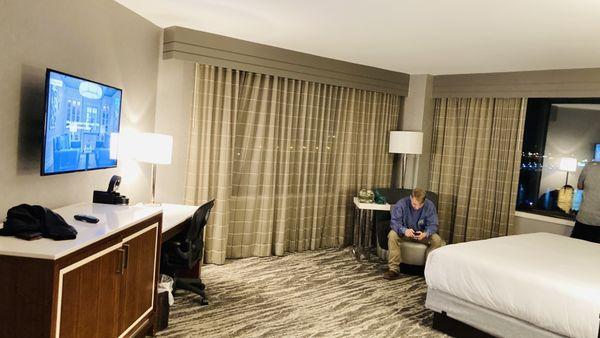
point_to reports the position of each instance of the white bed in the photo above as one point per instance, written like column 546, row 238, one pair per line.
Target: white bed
column 548, row 281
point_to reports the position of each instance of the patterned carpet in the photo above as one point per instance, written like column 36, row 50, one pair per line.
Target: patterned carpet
column 324, row 293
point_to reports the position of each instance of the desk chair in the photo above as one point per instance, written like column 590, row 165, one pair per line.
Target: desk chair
column 185, row 250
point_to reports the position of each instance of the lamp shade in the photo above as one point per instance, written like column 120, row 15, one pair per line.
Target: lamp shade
column 568, row 164
column 154, row 148
column 406, row 142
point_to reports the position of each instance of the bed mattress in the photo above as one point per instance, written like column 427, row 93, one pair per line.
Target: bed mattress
column 550, row 281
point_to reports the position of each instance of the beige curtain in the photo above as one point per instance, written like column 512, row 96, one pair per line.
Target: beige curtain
column 476, row 153
column 283, row 159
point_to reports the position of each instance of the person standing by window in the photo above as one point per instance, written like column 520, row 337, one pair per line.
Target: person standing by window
column 587, row 222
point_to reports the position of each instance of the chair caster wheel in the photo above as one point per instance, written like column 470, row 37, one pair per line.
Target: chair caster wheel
column 203, row 302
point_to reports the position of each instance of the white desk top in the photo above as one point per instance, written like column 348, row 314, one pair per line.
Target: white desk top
column 174, row 214
column 113, row 218
column 371, row 206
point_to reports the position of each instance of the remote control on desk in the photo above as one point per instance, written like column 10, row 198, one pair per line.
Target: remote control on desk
column 86, row 218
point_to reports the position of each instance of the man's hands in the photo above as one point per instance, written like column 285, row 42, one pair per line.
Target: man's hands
column 410, row 233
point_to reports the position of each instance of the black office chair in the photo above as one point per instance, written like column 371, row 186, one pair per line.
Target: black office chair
column 184, row 251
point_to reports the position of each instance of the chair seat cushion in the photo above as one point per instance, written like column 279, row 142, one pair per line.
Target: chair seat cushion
column 413, row 253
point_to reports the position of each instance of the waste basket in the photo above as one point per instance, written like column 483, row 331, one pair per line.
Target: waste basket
column 165, row 299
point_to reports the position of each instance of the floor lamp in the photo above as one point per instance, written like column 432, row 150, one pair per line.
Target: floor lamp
column 404, row 143
column 155, row 149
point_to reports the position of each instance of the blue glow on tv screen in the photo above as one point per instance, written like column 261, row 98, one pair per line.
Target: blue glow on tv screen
column 597, row 153
column 81, row 118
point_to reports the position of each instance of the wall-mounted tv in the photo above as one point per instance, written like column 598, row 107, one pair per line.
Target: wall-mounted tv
column 597, row 153
column 81, row 117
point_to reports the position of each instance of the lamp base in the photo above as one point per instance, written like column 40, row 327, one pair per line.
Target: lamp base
column 153, row 188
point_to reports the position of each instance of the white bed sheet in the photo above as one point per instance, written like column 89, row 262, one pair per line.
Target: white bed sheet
column 548, row 280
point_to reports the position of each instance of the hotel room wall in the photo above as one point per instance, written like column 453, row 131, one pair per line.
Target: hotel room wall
column 173, row 113
column 99, row 40
column 545, row 83
column 182, row 47
column 418, row 115
column 525, row 225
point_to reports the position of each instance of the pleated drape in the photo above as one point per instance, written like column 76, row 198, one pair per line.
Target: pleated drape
column 476, row 151
column 283, row 159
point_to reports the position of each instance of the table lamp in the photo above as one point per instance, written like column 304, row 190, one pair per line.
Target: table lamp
column 406, row 142
column 155, row 149
column 568, row 164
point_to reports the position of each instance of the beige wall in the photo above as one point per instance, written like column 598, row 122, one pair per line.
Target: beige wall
column 173, row 114
column 97, row 39
column 183, row 47
column 418, row 115
column 526, row 225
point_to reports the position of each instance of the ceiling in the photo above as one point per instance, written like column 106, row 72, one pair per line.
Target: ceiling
column 411, row 36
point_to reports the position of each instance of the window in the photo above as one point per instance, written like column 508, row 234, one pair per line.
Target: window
column 561, row 136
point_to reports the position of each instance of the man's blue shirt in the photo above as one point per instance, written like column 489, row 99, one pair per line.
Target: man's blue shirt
column 405, row 217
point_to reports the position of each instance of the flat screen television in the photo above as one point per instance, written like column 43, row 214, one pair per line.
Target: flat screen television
column 81, row 117
column 597, row 153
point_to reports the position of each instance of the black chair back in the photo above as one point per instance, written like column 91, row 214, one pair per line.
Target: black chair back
column 393, row 195
column 194, row 237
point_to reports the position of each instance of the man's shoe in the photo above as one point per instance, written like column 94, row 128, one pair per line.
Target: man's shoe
column 391, row 275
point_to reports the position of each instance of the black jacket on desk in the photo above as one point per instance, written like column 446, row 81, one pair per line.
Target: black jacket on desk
column 35, row 218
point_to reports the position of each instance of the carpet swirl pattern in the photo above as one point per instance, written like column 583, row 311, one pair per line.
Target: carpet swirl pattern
column 325, row 293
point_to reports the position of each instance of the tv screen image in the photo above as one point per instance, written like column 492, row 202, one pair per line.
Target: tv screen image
column 597, row 153
column 81, row 118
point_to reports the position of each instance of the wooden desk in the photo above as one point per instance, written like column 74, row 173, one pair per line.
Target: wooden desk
column 103, row 283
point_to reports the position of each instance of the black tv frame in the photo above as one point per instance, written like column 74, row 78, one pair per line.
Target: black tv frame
column 43, row 160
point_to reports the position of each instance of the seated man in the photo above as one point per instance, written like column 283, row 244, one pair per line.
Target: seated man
column 414, row 218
